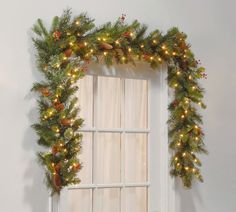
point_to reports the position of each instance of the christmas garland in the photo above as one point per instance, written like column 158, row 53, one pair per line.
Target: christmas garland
column 63, row 53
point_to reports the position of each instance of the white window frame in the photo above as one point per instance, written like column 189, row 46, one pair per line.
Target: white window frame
column 164, row 199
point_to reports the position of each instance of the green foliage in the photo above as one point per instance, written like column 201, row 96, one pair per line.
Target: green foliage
column 63, row 52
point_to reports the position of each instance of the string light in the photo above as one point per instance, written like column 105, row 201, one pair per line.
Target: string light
column 78, row 34
column 185, row 111
column 85, row 43
column 194, row 170
column 104, row 39
column 176, row 158
column 196, row 138
column 178, row 144
column 176, row 85
column 182, row 117
column 105, row 53
column 163, row 47
column 196, row 127
column 181, row 135
column 151, row 58
column 174, row 53
column 178, row 73
column 184, row 154
column 91, row 50
column 190, row 77
column 166, row 52
column 154, row 41
column 193, row 88
column 195, row 160
column 77, row 22
column 186, row 168
column 159, row 59
column 117, row 42
column 199, row 103
column 178, row 164
column 71, row 44
column 142, row 46
column 123, row 58
column 99, row 39
column 129, row 49
column 131, row 34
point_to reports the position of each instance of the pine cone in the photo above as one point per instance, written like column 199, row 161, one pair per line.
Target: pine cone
column 106, row 46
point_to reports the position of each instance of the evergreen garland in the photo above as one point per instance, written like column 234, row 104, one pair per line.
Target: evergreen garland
column 63, row 53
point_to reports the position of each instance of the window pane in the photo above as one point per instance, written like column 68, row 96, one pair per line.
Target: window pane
column 108, row 113
column 135, row 199
column 85, row 174
column 107, row 200
column 136, row 157
column 85, row 96
column 107, row 158
column 136, row 103
column 80, row 200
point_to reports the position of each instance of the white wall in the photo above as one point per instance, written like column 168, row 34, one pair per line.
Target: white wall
column 211, row 28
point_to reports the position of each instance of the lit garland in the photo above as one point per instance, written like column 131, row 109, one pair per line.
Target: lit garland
column 63, row 53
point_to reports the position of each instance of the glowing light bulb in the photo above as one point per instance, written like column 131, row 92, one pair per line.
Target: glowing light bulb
column 193, row 170
column 186, row 168
column 105, row 53
column 178, row 73
column 176, row 85
column 182, row 117
column 163, row 47
column 184, row 154
column 129, row 49
column 196, row 138
column 174, row 53
column 142, row 46
column 176, row 158
column 154, row 41
column 166, row 52
column 117, row 42
column 77, row 22
column 190, row 77
column 194, row 87
column 85, row 43
column 159, row 59
column 196, row 127
column 178, row 144
column 98, row 39
column 181, row 135
column 151, row 58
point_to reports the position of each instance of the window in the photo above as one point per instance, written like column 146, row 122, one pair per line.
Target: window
column 123, row 135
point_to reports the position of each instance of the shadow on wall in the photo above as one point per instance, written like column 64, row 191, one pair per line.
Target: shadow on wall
column 35, row 192
column 187, row 199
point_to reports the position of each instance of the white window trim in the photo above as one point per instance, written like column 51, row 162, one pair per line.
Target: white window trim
column 167, row 197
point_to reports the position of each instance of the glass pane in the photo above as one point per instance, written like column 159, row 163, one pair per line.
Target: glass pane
column 80, row 200
column 85, row 174
column 109, row 91
column 107, row 158
column 136, row 157
column 107, row 200
column 136, row 103
column 85, row 96
column 136, row 199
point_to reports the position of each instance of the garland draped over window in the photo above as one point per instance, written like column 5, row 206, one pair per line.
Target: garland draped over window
column 63, row 54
